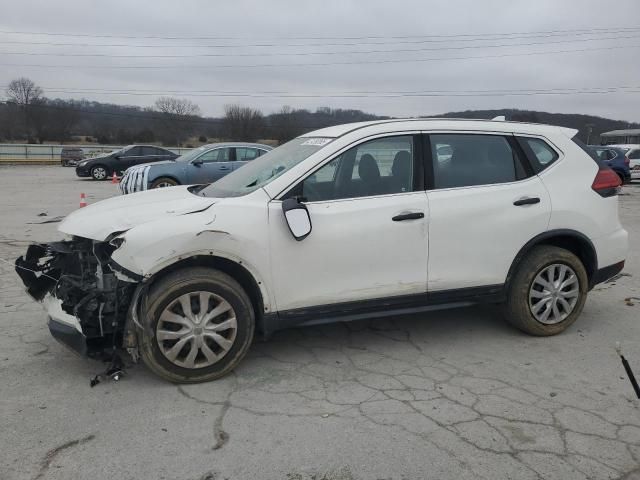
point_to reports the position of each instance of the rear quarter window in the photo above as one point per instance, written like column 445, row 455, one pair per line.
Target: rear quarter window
column 539, row 152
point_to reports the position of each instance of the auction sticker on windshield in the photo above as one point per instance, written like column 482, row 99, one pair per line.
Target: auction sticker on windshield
column 318, row 142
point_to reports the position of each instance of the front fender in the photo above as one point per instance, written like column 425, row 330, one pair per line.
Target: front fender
column 157, row 253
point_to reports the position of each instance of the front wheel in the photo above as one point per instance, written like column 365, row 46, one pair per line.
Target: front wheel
column 548, row 291
column 198, row 324
column 99, row 172
column 164, row 182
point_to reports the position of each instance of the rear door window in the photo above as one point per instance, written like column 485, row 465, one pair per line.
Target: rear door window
column 244, row 154
column 147, row 151
column 463, row 160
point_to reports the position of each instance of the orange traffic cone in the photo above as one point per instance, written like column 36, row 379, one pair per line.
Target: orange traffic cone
column 83, row 200
column 114, row 179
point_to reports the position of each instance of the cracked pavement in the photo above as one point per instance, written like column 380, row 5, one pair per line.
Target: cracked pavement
column 452, row 394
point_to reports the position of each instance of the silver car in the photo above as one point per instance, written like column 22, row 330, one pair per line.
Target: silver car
column 201, row 165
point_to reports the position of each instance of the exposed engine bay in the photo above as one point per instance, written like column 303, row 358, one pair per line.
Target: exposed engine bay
column 79, row 287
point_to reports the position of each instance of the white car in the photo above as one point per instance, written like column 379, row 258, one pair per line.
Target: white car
column 347, row 222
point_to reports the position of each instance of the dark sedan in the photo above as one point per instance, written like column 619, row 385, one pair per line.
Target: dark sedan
column 104, row 166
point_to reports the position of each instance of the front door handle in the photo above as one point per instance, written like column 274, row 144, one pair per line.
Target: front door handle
column 224, row 168
column 408, row 216
column 526, row 201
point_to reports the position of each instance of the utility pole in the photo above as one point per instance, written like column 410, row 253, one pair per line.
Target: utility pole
column 589, row 130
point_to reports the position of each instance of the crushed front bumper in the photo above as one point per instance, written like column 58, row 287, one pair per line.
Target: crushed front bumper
column 86, row 303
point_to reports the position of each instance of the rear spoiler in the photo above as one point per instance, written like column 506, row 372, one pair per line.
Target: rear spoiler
column 569, row 132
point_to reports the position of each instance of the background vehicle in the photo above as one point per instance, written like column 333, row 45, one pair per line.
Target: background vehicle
column 205, row 164
column 633, row 154
column 70, row 156
column 615, row 158
column 342, row 223
column 103, row 166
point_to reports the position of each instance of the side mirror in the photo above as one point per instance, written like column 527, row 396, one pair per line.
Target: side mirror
column 297, row 217
column 197, row 162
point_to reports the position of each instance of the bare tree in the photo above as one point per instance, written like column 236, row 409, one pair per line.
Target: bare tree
column 243, row 123
column 24, row 93
column 286, row 124
column 177, row 117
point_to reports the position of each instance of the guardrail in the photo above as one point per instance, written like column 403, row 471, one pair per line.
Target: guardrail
column 50, row 154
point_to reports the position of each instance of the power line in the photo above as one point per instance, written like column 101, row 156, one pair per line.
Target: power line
column 276, row 92
column 320, row 64
column 363, row 94
column 403, row 50
column 364, row 37
column 280, row 45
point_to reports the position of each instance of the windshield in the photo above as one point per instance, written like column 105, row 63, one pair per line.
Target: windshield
column 192, row 154
column 264, row 169
column 119, row 151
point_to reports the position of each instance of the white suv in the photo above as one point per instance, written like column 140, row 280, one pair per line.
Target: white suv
column 352, row 221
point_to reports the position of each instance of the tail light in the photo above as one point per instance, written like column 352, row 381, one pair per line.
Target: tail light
column 626, row 161
column 607, row 183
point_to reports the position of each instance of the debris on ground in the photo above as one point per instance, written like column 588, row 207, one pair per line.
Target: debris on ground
column 627, row 368
column 629, row 301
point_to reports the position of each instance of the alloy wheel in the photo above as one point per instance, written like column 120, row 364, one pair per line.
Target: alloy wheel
column 99, row 173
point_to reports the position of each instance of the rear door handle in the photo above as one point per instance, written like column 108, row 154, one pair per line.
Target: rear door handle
column 526, row 201
column 408, row 216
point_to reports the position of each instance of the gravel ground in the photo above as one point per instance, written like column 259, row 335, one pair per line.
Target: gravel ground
column 455, row 394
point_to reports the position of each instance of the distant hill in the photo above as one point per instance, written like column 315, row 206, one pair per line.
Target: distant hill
column 572, row 120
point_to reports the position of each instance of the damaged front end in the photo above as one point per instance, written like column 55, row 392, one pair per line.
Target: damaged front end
column 86, row 298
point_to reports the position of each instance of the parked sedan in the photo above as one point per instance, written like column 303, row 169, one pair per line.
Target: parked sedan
column 616, row 159
column 205, row 164
column 103, row 166
column 71, row 156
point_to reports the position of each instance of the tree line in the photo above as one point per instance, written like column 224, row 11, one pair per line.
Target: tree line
column 29, row 116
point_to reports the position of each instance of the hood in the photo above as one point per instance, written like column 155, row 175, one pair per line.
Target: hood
column 117, row 214
column 150, row 164
column 97, row 157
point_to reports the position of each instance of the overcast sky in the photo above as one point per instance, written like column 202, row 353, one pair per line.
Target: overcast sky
column 586, row 44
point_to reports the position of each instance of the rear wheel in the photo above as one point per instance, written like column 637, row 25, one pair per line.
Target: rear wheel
column 164, row 182
column 198, row 324
column 548, row 291
column 99, row 172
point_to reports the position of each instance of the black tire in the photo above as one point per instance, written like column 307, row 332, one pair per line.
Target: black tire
column 164, row 182
column 99, row 172
column 518, row 310
column 169, row 288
